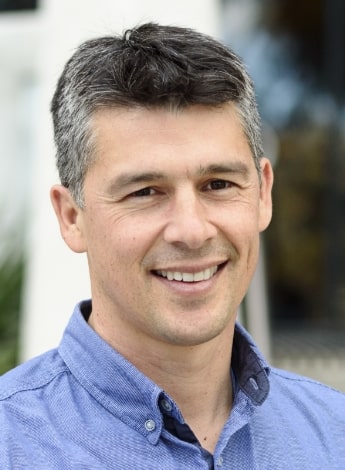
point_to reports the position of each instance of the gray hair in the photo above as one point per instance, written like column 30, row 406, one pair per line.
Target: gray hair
column 150, row 66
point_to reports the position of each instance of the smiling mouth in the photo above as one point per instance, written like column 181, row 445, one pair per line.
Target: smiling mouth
column 199, row 276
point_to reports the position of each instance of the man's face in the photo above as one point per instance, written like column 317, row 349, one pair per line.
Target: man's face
column 173, row 211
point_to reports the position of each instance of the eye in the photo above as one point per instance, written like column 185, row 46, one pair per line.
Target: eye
column 143, row 192
column 218, row 184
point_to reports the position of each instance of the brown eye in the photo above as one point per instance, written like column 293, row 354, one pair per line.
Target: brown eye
column 218, row 184
column 143, row 192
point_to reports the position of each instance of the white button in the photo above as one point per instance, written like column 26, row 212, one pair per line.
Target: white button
column 150, row 425
column 254, row 383
column 166, row 405
column 219, row 462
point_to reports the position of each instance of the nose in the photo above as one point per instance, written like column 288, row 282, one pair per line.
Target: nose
column 189, row 223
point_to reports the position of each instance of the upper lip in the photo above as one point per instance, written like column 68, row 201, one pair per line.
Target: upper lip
column 191, row 269
column 189, row 276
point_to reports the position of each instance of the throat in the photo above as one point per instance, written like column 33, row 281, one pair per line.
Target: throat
column 208, row 438
column 207, row 425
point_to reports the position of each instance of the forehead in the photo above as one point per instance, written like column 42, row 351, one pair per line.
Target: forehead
column 198, row 135
column 122, row 122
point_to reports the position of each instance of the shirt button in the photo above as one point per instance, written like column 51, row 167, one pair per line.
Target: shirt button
column 150, row 425
column 254, row 383
column 166, row 405
column 219, row 462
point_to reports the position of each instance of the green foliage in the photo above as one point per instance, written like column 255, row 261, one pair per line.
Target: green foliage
column 11, row 279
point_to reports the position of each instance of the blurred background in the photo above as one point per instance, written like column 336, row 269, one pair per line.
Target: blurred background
column 295, row 51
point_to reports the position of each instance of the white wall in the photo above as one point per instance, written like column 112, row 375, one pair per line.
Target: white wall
column 57, row 278
column 17, row 88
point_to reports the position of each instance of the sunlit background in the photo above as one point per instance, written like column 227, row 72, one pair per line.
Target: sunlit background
column 296, row 54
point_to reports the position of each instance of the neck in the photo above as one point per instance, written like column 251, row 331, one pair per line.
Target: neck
column 200, row 383
column 196, row 377
column 191, row 375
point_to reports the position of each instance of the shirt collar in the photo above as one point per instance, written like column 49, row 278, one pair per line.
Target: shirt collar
column 112, row 380
column 250, row 368
column 131, row 396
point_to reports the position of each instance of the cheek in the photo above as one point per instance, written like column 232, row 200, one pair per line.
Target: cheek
column 128, row 243
column 242, row 232
column 241, row 226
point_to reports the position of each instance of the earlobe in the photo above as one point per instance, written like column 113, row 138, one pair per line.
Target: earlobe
column 265, row 194
column 69, row 216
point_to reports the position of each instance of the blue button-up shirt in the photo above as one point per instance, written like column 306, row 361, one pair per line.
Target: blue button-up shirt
column 84, row 406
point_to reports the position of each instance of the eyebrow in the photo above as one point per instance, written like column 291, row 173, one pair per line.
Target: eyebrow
column 233, row 167
column 127, row 179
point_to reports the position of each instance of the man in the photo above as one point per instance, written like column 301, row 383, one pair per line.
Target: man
column 165, row 187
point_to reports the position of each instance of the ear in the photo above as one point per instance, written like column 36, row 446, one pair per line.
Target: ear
column 265, row 205
column 69, row 216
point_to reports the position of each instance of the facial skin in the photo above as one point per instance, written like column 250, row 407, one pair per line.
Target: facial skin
column 169, row 192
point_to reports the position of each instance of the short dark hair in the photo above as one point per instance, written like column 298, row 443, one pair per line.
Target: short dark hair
column 149, row 66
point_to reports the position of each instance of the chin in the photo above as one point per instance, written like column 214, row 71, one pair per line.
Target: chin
column 193, row 337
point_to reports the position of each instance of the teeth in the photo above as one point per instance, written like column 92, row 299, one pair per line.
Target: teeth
column 189, row 277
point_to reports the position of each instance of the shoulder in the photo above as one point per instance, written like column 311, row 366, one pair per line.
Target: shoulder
column 301, row 424
column 306, row 399
column 32, row 375
column 31, row 396
column 293, row 383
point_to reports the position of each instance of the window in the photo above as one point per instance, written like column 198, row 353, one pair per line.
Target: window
column 297, row 59
column 16, row 5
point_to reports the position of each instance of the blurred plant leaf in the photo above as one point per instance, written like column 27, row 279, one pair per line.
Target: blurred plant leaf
column 11, row 280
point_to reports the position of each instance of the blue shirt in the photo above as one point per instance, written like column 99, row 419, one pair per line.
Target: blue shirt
column 83, row 406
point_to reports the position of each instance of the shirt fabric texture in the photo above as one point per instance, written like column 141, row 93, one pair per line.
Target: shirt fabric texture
column 84, row 406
